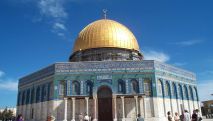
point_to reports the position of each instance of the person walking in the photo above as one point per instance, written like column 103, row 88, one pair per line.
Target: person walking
column 80, row 117
column 186, row 116
column 139, row 118
column 182, row 116
column 50, row 118
column 20, row 118
column 199, row 117
column 86, row 117
column 176, row 117
column 194, row 116
column 169, row 116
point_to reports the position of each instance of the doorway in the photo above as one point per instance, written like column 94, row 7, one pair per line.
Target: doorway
column 105, row 104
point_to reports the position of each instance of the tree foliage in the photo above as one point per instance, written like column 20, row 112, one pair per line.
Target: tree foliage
column 7, row 115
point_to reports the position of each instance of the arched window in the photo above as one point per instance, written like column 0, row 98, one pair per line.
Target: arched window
column 167, row 89
column 19, row 98
column 44, row 93
column 62, row 88
column 32, row 96
column 186, row 93
column 121, row 86
column 147, row 87
column 195, row 94
column 28, row 96
column 135, row 87
column 23, row 98
column 160, row 88
column 89, row 86
column 174, row 92
column 37, row 94
column 49, row 91
column 191, row 93
column 180, row 91
column 76, row 88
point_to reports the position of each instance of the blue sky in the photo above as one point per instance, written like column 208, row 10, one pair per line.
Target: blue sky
column 37, row 33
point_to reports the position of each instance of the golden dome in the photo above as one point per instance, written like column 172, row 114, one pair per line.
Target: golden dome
column 105, row 33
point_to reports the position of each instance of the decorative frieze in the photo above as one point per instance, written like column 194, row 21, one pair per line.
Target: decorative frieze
column 109, row 67
column 109, row 81
column 104, row 77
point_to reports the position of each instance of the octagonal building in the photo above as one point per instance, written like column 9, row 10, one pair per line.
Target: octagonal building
column 106, row 78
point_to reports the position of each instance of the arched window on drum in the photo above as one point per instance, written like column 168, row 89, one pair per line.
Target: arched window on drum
column 135, row 87
column 121, row 86
column 147, row 87
column 160, row 87
column 76, row 88
column 89, row 87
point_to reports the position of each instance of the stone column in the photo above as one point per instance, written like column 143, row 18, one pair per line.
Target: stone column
column 189, row 106
column 144, row 107
column 65, row 109
column 178, row 106
column 95, row 109
column 115, row 108
column 193, row 104
column 136, row 104
column 87, row 105
column 73, row 109
column 123, row 108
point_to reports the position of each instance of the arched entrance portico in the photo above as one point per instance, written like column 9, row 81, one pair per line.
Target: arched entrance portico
column 104, row 104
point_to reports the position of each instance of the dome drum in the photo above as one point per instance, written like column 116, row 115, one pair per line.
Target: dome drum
column 105, row 54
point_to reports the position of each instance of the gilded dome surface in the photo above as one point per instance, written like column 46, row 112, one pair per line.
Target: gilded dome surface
column 105, row 33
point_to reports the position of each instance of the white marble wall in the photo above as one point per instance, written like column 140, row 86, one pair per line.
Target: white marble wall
column 161, row 107
column 153, row 109
column 175, row 106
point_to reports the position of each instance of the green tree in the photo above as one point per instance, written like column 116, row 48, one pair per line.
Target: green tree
column 6, row 115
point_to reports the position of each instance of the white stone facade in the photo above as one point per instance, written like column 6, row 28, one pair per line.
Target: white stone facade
column 152, row 109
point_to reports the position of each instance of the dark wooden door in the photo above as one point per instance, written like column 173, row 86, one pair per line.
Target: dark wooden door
column 105, row 104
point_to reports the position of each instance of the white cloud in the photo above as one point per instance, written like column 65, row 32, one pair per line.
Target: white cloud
column 1, row 73
column 9, row 85
column 52, row 8
column 188, row 42
column 205, row 90
column 61, row 34
column 59, row 26
column 54, row 11
column 156, row 55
